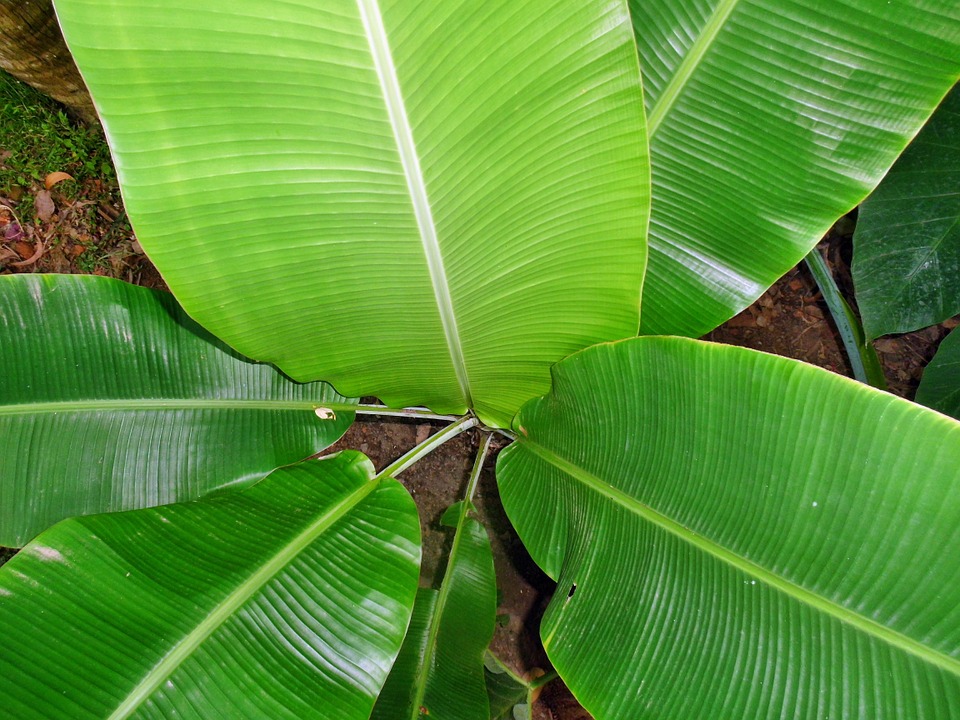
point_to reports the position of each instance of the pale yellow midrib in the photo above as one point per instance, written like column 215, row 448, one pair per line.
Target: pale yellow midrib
column 141, row 404
column 689, row 64
column 225, row 609
column 406, row 147
column 797, row 592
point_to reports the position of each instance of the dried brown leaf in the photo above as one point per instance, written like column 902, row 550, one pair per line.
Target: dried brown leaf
column 37, row 254
column 56, row 177
column 43, row 205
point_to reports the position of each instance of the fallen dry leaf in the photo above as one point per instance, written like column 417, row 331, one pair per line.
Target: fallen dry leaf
column 43, row 204
column 23, row 249
column 37, row 253
column 423, row 432
column 12, row 232
column 55, row 177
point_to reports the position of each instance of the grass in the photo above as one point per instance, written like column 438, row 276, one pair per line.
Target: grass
column 37, row 138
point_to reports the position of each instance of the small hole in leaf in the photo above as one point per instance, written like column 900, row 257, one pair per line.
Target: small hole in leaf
column 573, row 589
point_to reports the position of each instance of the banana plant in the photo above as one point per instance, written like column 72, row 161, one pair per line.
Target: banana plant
column 447, row 205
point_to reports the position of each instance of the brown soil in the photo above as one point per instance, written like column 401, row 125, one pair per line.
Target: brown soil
column 86, row 231
column 792, row 320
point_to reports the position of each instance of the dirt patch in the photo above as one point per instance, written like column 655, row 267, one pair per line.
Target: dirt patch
column 791, row 319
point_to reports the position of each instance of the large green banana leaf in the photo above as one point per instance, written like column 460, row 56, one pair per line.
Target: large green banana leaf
column 440, row 670
column 112, row 399
column 738, row 535
column 906, row 259
column 430, row 202
column 287, row 600
column 768, row 119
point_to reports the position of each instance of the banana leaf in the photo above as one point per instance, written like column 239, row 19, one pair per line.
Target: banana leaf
column 287, row 600
column 739, row 535
column 440, row 670
column 906, row 249
column 113, row 399
column 940, row 384
column 428, row 202
column 768, row 120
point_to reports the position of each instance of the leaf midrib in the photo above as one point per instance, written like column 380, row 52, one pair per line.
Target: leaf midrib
column 147, row 404
column 762, row 574
column 229, row 605
column 689, row 64
column 433, row 629
column 406, row 147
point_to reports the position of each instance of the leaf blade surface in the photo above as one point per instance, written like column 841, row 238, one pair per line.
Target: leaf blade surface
column 769, row 120
column 731, row 513
column 462, row 190
column 940, row 384
column 294, row 607
column 906, row 261
column 440, row 670
column 116, row 400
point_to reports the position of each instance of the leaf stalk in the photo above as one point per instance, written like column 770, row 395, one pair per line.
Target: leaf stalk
column 428, row 446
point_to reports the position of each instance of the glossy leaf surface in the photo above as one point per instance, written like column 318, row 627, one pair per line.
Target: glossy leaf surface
column 510, row 696
column 113, row 399
column 286, row 600
column 439, row 672
column 738, row 535
column 906, row 260
column 940, row 384
column 430, row 202
column 768, row 120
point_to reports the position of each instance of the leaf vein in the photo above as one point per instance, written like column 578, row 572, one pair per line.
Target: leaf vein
column 725, row 555
column 406, row 147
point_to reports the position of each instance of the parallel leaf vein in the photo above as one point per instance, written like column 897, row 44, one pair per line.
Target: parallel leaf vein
column 704, row 544
column 383, row 59
column 689, row 64
column 240, row 595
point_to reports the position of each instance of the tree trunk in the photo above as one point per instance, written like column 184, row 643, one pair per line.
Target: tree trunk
column 32, row 50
